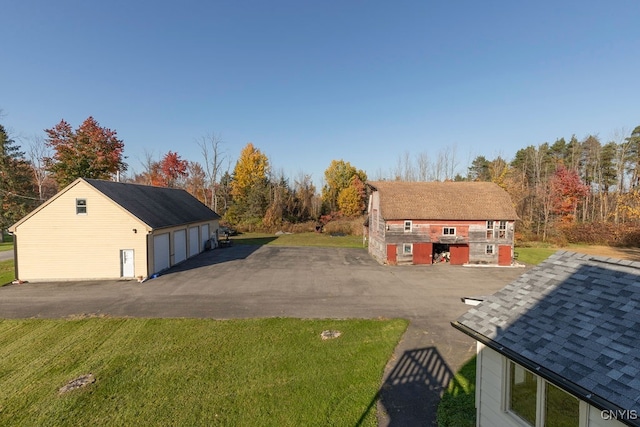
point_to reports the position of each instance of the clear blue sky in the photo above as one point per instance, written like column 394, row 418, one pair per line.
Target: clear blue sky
column 312, row 81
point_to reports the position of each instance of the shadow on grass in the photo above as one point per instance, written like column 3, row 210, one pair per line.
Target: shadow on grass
column 411, row 393
column 457, row 406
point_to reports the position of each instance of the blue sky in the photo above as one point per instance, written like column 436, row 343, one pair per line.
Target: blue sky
column 312, row 81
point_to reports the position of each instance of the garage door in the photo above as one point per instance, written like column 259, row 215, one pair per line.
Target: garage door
column 180, row 246
column 193, row 241
column 161, row 252
column 204, row 236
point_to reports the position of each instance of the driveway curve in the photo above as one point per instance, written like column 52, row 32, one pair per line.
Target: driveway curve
column 271, row 281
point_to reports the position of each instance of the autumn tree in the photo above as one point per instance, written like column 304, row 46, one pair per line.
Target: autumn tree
column 173, row 170
column 351, row 200
column 91, row 151
column 337, row 177
column 249, row 186
column 304, row 192
column 214, row 157
column 196, row 182
column 567, row 192
column 37, row 153
column 17, row 196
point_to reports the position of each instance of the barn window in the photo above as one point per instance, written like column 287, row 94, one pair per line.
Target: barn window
column 81, row 206
column 407, row 226
column 490, row 250
column 502, row 230
column 489, row 229
column 407, row 248
column 449, row 231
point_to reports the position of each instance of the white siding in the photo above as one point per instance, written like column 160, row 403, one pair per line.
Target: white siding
column 597, row 420
column 57, row 244
column 490, row 394
column 179, row 246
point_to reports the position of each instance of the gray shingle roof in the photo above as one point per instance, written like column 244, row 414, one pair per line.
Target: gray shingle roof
column 158, row 207
column 444, row 200
column 577, row 316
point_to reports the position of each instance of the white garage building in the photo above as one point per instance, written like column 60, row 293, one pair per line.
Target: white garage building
column 96, row 229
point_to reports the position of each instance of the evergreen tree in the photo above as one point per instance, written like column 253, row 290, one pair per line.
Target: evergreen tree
column 17, row 189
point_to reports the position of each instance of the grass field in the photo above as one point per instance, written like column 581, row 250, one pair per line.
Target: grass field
column 267, row 372
column 299, row 239
column 7, row 272
column 457, row 406
column 6, row 246
column 534, row 255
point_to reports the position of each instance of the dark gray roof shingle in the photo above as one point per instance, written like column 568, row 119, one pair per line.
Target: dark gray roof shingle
column 575, row 315
column 158, row 207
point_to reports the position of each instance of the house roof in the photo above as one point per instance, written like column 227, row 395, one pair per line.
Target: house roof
column 158, row 207
column 444, row 200
column 574, row 317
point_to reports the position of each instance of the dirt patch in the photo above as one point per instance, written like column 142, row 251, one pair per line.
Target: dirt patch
column 632, row 254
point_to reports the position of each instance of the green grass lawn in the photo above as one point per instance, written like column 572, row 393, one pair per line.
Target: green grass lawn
column 457, row 406
column 299, row 239
column 6, row 246
column 179, row 372
column 534, row 255
column 6, row 272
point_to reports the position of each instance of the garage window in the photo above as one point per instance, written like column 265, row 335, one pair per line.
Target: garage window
column 449, row 231
column 81, row 206
column 407, row 248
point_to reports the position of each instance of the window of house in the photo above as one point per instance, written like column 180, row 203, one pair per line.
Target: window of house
column 528, row 394
column 449, row 231
column 489, row 250
column 407, row 248
column 81, row 206
column 407, row 226
column 489, row 229
column 502, row 230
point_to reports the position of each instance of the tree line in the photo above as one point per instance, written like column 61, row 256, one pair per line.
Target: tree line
column 577, row 189
column 250, row 194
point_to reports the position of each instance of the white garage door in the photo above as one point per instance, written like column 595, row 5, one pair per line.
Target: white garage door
column 204, row 236
column 180, row 246
column 193, row 241
column 160, row 252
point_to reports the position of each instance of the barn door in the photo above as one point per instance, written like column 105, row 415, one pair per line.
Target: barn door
column 126, row 263
column 459, row 254
column 422, row 253
column 392, row 254
column 504, row 255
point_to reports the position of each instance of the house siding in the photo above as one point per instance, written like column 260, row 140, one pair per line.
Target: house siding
column 490, row 371
column 58, row 244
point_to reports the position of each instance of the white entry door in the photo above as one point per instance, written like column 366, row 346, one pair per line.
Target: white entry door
column 126, row 263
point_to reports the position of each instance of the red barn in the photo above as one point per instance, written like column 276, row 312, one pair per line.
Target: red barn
column 426, row 222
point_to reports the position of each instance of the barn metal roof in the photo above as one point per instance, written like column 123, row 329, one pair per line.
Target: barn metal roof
column 575, row 317
column 444, row 200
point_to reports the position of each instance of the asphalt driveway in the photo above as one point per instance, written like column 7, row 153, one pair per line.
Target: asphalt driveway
column 266, row 281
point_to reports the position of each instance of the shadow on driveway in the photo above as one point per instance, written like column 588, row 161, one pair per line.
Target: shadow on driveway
column 411, row 393
column 214, row 256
